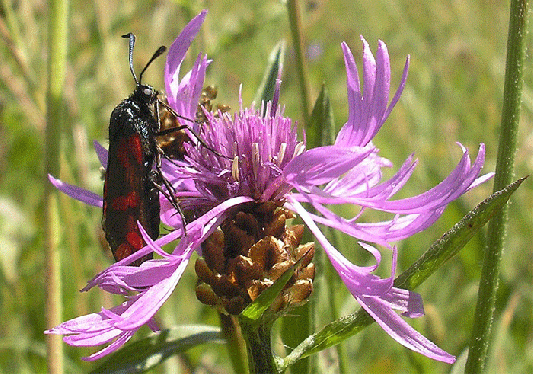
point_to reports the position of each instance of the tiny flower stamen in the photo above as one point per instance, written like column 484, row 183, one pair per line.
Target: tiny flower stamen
column 235, row 168
column 256, row 159
column 281, row 154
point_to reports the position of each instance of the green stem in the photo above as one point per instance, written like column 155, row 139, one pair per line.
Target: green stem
column 57, row 57
column 504, row 173
column 296, row 31
column 260, row 356
column 235, row 343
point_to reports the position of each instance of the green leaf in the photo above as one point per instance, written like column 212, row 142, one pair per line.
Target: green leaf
column 440, row 252
column 321, row 128
column 455, row 239
column 265, row 92
column 151, row 351
column 253, row 312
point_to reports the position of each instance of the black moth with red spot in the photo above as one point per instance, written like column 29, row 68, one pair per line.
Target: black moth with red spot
column 133, row 174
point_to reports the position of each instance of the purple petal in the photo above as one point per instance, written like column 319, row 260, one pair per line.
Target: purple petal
column 150, row 301
column 408, row 302
column 101, row 152
column 358, row 279
column 89, row 323
column 481, row 180
column 399, row 90
column 121, row 340
column 360, row 180
column 382, row 85
column 351, row 131
column 399, row 228
column 182, row 95
column 96, row 329
column 181, row 44
column 169, row 215
column 382, row 233
column 90, row 339
column 186, row 93
column 367, row 111
column 400, row 331
column 456, row 184
column 321, row 165
column 78, row 193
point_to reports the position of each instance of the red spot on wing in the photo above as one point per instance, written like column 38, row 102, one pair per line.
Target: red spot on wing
column 135, row 239
column 133, row 235
column 130, row 146
column 131, row 200
column 132, row 243
column 123, row 251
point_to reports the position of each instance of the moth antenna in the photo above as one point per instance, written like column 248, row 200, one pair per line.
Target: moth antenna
column 157, row 53
column 132, row 44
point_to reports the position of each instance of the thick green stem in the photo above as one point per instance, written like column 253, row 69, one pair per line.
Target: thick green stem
column 260, row 356
column 504, row 173
column 57, row 57
column 231, row 331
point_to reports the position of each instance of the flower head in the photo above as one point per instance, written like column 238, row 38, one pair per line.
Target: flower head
column 254, row 158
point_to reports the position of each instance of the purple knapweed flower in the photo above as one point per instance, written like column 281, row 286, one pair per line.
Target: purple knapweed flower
column 264, row 161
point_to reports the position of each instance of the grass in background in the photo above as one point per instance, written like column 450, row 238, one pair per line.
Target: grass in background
column 453, row 93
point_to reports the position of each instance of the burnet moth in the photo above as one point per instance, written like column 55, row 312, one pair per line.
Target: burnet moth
column 133, row 175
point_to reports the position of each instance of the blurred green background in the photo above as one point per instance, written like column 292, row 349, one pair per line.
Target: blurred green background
column 453, row 94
